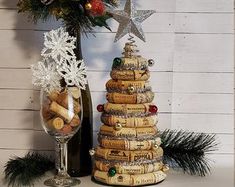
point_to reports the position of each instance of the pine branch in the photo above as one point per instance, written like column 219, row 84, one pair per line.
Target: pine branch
column 186, row 150
column 24, row 171
column 71, row 12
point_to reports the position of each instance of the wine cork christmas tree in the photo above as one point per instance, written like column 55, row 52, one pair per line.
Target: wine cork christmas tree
column 129, row 151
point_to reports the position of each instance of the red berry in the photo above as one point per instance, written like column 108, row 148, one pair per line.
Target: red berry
column 97, row 7
column 153, row 109
column 100, row 108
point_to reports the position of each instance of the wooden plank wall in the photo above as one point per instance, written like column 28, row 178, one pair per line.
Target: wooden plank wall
column 191, row 41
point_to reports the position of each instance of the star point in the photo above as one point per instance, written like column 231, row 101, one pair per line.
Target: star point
column 130, row 20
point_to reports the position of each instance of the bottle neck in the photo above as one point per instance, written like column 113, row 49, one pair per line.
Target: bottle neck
column 78, row 50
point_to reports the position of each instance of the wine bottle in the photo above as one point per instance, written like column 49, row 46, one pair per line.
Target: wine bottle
column 79, row 160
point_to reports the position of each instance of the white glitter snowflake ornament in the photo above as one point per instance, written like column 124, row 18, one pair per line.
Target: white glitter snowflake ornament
column 58, row 45
column 74, row 73
column 46, row 76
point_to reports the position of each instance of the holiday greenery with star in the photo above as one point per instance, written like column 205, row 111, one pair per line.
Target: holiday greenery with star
column 76, row 14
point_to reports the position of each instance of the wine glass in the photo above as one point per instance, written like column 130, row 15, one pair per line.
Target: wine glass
column 61, row 116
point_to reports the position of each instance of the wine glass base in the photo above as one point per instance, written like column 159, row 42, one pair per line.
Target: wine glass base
column 62, row 182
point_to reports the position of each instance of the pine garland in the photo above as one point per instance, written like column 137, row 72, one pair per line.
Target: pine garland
column 71, row 12
column 24, row 171
column 186, row 150
column 182, row 150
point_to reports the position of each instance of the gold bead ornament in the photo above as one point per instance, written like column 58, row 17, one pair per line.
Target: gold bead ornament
column 158, row 141
column 88, row 6
column 118, row 126
column 165, row 168
column 92, row 152
column 151, row 62
column 131, row 89
column 155, row 146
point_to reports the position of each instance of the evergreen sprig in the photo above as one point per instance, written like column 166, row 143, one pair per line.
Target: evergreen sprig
column 186, row 150
column 24, row 171
column 71, row 12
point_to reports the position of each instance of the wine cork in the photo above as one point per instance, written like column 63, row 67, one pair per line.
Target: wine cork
column 118, row 179
column 46, row 113
column 146, row 121
column 140, row 145
column 121, row 98
column 53, row 96
column 130, row 180
column 67, row 129
column 128, row 132
column 75, row 121
column 142, row 61
column 119, row 85
column 136, row 98
column 61, row 111
column 115, row 144
column 76, row 107
column 129, row 167
column 144, row 179
column 140, row 75
column 112, row 154
column 148, row 178
column 126, row 144
column 62, row 99
column 55, row 123
column 146, row 131
column 133, row 63
column 137, row 62
column 110, row 131
column 66, row 100
column 128, row 156
column 75, row 91
column 130, row 61
column 120, row 167
column 146, row 97
column 125, row 109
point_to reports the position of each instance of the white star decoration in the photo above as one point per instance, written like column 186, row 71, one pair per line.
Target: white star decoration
column 46, row 76
column 74, row 73
column 130, row 20
column 58, row 45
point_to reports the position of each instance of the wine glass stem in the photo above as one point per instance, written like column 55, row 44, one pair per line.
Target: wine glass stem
column 62, row 170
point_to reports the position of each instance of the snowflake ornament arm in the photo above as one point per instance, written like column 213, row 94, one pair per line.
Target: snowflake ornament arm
column 74, row 73
column 46, row 76
column 59, row 45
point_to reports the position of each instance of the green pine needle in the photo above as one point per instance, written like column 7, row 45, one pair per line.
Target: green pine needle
column 71, row 12
column 24, row 171
column 186, row 150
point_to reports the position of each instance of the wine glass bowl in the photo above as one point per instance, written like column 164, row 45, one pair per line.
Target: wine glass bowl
column 61, row 116
column 61, row 112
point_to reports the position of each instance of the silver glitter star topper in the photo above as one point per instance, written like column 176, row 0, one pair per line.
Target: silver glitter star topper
column 130, row 20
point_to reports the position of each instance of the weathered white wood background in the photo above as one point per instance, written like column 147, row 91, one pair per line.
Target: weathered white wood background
column 191, row 40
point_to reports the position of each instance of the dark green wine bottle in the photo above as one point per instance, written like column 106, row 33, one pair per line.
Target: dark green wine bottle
column 79, row 160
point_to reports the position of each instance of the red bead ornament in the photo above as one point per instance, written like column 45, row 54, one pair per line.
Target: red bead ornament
column 100, row 108
column 97, row 7
column 153, row 109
